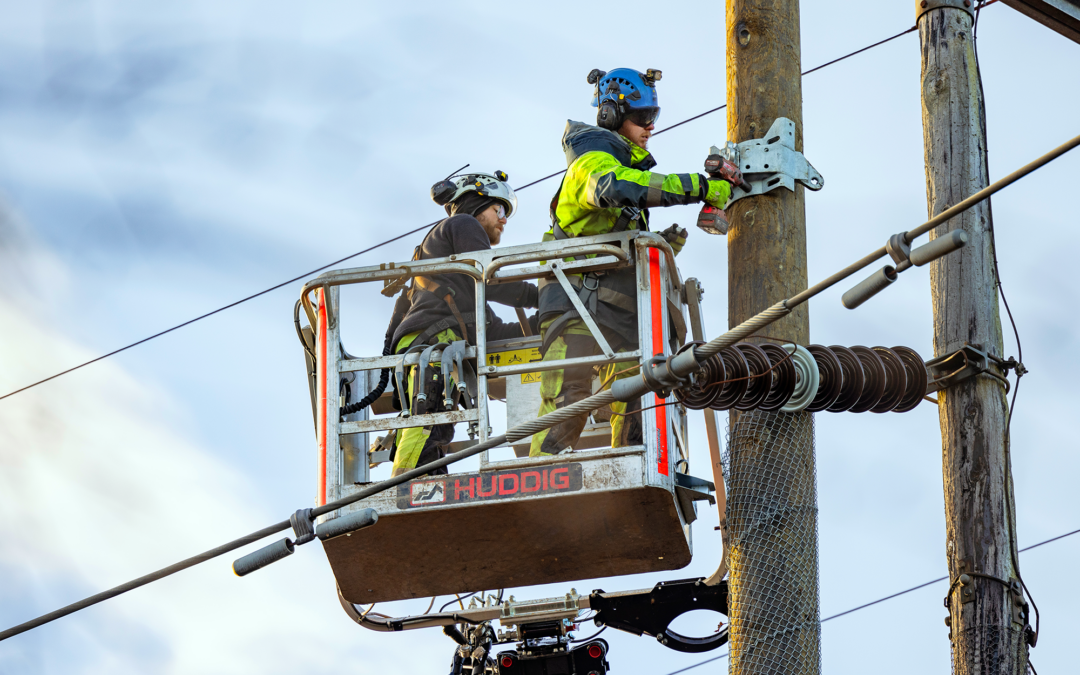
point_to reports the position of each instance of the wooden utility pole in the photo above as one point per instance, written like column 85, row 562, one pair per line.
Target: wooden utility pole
column 772, row 504
column 987, row 615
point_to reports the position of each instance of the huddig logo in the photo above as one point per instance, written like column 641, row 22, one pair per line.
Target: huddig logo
column 489, row 485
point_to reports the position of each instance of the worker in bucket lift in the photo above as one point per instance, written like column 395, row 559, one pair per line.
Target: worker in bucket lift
column 608, row 187
column 441, row 307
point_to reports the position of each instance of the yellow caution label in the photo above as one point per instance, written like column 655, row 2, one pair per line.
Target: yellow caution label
column 514, row 357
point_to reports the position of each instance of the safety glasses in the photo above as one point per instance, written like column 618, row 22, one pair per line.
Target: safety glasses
column 500, row 211
column 643, row 117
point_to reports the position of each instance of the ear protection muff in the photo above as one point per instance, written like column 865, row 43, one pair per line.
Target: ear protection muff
column 442, row 192
column 608, row 113
column 607, row 117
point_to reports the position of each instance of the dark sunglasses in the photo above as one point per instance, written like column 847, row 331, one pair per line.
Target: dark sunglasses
column 643, row 117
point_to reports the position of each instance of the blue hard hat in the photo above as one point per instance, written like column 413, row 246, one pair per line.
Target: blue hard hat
column 628, row 94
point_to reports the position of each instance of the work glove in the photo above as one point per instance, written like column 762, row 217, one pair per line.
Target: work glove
column 718, row 192
column 676, row 236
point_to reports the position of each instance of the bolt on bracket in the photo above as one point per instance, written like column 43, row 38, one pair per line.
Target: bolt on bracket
column 771, row 162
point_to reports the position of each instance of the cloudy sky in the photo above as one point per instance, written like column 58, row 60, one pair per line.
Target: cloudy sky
column 159, row 162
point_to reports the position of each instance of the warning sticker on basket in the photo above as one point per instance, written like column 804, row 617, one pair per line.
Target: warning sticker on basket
column 427, row 492
column 490, row 485
column 514, row 357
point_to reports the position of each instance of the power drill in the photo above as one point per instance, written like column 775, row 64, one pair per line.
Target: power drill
column 712, row 219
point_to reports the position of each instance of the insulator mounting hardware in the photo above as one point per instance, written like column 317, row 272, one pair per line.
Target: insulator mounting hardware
column 959, row 365
column 771, row 162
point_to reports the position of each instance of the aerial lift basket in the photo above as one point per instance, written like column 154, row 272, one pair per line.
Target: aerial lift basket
column 594, row 512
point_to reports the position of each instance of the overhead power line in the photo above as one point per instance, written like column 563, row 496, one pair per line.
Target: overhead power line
column 379, row 245
column 875, row 602
column 546, row 421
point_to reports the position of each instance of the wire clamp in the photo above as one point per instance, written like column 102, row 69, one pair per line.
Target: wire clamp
column 660, row 377
column 771, row 162
column 302, row 526
column 962, row 364
column 898, row 248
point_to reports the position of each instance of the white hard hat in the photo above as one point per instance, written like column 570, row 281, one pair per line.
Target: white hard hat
column 486, row 185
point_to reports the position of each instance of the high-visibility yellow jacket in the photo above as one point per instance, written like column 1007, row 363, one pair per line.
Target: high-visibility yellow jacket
column 607, row 173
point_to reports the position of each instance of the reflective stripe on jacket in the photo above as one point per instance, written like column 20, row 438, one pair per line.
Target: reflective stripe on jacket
column 608, row 173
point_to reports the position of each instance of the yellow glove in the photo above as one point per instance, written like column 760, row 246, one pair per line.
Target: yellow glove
column 718, row 194
column 676, row 236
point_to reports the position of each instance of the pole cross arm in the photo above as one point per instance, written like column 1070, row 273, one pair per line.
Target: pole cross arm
column 1061, row 16
column 771, row 162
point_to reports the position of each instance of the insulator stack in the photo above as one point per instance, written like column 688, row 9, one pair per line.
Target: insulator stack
column 815, row 378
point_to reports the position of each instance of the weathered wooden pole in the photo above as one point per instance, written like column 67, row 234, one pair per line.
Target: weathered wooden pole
column 986, row 616
column 772, row 502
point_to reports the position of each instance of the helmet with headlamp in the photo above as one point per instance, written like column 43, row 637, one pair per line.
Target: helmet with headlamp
column 494, row 186
column 625, row 94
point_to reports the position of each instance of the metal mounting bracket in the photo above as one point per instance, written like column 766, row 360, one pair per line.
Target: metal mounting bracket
column 690, row 489
column 957, row 366
column 924, row 6
column 513, row 613
column 651, row 612
column 771, row 162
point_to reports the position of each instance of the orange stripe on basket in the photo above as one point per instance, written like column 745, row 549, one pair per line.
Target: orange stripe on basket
column 656, row 292
column 321, row 386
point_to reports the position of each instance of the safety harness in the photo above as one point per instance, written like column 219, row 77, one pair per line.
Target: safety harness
column 594, row 292
column 425, row 285
column 427, row 336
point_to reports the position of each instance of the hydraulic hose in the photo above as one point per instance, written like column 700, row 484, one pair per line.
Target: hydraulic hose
column 384, row 379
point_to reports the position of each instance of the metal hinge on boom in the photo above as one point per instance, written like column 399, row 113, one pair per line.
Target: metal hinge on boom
column 771, row 162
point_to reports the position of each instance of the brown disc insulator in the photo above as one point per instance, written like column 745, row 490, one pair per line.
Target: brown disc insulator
column 700, row 395
column 854, row 379
column 831, row 378
column 784, row 378
column 874, row 387
column 736, row 371
column 895, row 380
column 916, row 379
column 760, row 376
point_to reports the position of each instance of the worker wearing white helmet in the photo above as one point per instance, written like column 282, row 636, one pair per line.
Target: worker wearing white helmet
column 440, row 308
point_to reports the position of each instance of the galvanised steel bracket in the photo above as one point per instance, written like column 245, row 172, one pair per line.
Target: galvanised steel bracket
column 771, row 162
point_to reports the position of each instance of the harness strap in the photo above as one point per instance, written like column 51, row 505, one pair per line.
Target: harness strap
column 556, row 328
column 449, row 299
column 441, row 325
column 447, row 296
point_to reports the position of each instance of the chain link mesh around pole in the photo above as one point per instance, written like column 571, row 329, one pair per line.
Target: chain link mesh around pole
column 772, row 520
column 990, row 650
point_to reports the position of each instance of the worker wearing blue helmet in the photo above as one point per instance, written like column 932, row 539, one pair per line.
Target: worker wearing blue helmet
column 608, row 187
